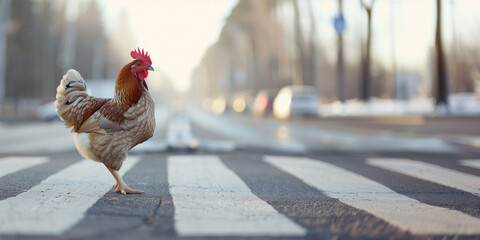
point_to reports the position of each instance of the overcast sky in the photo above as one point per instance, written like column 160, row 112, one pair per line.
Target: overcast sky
column 175, row 33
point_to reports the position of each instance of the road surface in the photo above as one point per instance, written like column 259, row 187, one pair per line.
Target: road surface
column 234, row 176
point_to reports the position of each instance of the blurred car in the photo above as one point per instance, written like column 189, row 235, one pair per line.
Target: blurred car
column 295, row 101
column 263, row 102
column 98, row 88
column 47, row 111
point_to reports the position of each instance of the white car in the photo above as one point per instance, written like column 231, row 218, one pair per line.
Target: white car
column 296, row 100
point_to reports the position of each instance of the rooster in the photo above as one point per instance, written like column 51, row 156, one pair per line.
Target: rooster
column 106, row 129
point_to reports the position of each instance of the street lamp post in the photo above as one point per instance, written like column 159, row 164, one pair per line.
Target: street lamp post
column 339, row 24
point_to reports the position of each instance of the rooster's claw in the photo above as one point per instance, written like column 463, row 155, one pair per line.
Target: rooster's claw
column 125, row 190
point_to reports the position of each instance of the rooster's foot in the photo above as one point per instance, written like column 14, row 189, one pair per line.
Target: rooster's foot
column 124, row 189
column 121, row 186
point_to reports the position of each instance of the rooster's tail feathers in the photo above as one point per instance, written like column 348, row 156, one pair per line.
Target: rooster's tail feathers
column 71, row 81
column 70, row 92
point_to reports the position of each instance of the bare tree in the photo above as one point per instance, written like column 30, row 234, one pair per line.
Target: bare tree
column 311, row 63
column 441, row 68
column 306, row 53
column 366, row 75
column 4, row 18
column 300, row 42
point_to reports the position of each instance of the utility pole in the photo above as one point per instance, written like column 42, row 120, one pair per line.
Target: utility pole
column 339, row 27
column 442, row 84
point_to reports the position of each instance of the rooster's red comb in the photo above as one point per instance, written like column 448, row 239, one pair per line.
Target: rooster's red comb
column 141, row 55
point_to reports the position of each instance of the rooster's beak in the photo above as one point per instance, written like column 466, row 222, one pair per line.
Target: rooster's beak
column 150, row 68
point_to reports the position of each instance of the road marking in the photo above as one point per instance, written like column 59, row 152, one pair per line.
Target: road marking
column 244, row 134
column 363, row 193
column 60, row 201
column 429, row 172
column 415, row 120
column 38, row 138
column 52, row 143
column 211, row 200
column 473, row 163
column 469, row 140
column 10, row 165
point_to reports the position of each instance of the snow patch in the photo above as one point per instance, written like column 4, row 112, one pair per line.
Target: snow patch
column 460, row 104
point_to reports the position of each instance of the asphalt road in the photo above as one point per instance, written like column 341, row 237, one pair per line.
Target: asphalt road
column 234, row 176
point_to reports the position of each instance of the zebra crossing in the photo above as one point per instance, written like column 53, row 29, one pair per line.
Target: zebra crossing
column 58, row 202
column 211, row 199
column 14, row 164
column 362, row 193
column 432, row 173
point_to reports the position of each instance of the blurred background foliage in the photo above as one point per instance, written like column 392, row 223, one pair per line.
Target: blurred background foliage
column 43, row 43
column 270, row 44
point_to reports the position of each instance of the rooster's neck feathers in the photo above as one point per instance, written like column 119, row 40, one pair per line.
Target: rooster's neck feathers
column 128, row 88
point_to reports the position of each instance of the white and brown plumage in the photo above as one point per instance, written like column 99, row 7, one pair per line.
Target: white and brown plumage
column 106, row 129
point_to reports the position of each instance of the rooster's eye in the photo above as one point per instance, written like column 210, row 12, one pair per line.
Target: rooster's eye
column 138, row 64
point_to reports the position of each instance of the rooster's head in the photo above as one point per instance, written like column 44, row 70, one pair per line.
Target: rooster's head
column 142, row 64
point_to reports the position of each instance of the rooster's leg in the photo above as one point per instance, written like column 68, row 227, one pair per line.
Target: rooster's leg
column 121, row 186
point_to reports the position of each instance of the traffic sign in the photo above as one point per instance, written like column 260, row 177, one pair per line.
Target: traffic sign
column 339, row 23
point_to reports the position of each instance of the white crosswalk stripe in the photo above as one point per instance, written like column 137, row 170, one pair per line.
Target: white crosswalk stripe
column 40, row 145
column 471, row 163
column 211, row 200
column 245, row 134
column 10, row 165
column 429, row 172
column 36, row 138
column 60, row 201
column 363, row 193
